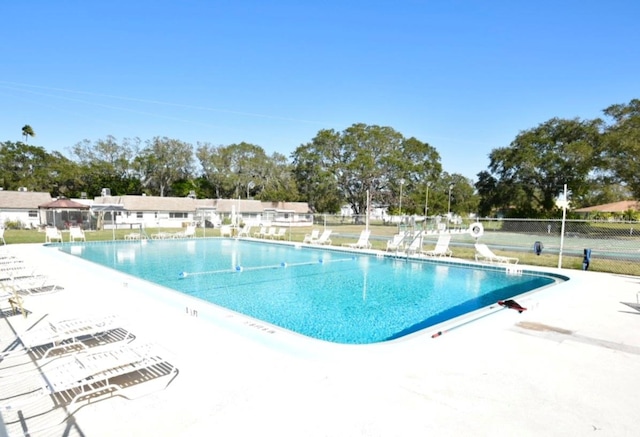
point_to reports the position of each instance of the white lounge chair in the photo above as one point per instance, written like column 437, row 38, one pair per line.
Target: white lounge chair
column 323, row 238
column 76, row 233
column 189, row 232
column 245, row 231
column 483, row 253
column 66, row 334
column 280, row 234
column 442, row 247
column 271, row 233
column 363, row 241
column 308, row 238
column 225, row 231
column 260, row 233
column 396, row 243
column 415, row 246
column 52, row 234
column 2, row 236
column 24, row 280
column 84, row 375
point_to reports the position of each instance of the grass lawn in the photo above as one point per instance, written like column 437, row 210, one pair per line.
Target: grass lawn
column 342, row 234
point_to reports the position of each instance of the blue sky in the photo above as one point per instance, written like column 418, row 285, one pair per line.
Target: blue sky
column 463, row 76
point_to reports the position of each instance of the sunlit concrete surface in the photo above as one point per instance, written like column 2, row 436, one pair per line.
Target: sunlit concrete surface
column 568, row 365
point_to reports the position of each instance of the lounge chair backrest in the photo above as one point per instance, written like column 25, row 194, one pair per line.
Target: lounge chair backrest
column 325, row 236
column 484, row 250
column 364, row 237
column 416, row 241
column 443, row 242
column 52, row 233
column 396, row 242
column 312, row 236
column 76, row 233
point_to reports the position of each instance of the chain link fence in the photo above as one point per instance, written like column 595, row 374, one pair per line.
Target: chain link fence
column 595, row 245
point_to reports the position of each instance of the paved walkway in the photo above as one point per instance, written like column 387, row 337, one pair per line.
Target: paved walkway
column 565, row 367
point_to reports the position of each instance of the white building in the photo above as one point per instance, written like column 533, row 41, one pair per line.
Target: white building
column 20, row 208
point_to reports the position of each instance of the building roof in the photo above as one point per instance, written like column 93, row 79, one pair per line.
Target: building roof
column 297, row 207
column 149, row 203
column 23, row 199
column 622, row 206
column 187, row 204
column 63, row 203
column 240, row 205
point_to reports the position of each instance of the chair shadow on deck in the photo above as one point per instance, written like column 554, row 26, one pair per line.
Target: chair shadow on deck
column 50, row 394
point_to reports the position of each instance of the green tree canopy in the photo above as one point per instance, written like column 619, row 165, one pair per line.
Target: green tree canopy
column 162, row 162
column 242, row 170
column 530, row 173
column 621, row 145
column 346, row 165
column 24, row 165
column 106, row 163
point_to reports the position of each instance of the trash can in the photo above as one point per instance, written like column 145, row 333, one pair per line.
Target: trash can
column 586, row 259
column 537, row 247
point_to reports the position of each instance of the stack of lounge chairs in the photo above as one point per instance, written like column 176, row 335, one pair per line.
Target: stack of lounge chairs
column 18, row 279
column 54, row 367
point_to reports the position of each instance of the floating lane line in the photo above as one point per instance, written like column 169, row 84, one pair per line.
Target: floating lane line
column 240, row 268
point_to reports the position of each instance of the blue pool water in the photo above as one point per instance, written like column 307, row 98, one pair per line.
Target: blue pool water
column 336, row 296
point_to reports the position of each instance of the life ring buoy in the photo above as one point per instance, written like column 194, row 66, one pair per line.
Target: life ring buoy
column 476, row 230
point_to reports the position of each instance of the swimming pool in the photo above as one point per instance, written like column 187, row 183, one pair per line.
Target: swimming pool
column 332, row 295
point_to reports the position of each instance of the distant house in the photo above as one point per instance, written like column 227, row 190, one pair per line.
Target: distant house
column 148, row 211
column 286, row 214
column 615, row 208
column 26, row 209
column 175, row 212
column 20, row 208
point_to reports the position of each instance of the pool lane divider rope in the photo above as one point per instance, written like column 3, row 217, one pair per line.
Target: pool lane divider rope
column 283, row 264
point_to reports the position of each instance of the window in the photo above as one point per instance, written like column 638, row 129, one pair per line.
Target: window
column 33, row 214
column 139, row 214
column 178, row 215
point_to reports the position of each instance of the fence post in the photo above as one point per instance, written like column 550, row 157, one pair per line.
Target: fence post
column 564, row 217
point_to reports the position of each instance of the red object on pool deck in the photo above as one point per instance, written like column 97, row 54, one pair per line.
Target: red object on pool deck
column 512, row 304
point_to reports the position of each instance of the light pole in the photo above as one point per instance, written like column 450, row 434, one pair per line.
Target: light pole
column 426, row 203
column 250, row 186
column 449, row 207
column 401, row 184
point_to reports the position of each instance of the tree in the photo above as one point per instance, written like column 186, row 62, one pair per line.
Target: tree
column 532, row 170
column 23, row 165
column 108, row 164
column 315, row 182
column 237, row 170
column 621, row 145
column 346, row 165
column 27, row 131
column 162, row 162
column 278, row 181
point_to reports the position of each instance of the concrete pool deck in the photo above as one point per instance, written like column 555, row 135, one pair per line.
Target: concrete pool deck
column 566, row 366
